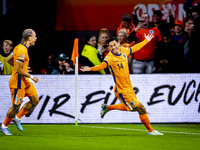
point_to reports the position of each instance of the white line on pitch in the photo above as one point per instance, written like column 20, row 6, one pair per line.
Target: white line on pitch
column 140, row 130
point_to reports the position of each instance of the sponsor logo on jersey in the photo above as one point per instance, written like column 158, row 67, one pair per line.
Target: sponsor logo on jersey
column 151, row 31
column 22, row 56
column 124, row 55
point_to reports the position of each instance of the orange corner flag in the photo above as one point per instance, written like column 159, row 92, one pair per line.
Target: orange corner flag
column 75, row 51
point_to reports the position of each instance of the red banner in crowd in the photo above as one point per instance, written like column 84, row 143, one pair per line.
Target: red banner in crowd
column 89, row 15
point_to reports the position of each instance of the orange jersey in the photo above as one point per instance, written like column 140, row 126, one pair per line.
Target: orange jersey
column 147, row 52
column 118, row 64
column 20, row 53
column 119, row 69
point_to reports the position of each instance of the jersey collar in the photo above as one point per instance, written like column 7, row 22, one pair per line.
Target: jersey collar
column 115, row 54
column 24, row 45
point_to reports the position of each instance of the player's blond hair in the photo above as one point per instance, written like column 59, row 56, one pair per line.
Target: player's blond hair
column 9, row 42
column 26, row 34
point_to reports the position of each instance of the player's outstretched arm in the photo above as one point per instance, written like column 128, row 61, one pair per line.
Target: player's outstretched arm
column 100, row 67
column 85, row 68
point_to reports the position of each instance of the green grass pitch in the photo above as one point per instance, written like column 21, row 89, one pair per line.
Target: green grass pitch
column 101, row 137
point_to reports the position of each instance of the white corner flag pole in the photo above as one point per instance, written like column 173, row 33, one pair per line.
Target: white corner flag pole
column 76, row 91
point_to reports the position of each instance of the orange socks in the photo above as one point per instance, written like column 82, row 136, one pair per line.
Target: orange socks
column 145, row 120
column 7, row 121
column 21, row 113
column 120, row 106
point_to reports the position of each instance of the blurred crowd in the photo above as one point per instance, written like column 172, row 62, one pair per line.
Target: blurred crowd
column 174, row 48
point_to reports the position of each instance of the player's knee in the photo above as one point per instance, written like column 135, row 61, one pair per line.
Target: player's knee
column 15, row 108
column 141, row 109
column 35, row 102
column 12, row 111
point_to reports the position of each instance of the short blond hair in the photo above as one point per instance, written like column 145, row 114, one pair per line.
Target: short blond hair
column 123, row 32
column 9, row 42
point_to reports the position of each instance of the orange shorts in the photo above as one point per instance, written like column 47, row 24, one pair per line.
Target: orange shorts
column 17, row 95
column 129, row 99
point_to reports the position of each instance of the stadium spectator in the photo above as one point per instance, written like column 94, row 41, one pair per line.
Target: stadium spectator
column 123, row 39
column 192, row 23
column 63, row 65
column 102, row 46
column 49, row 65
column 89, row 54
column 162, row 25
column 169, row 56
column 157, row 21
column 126, row 25
column 189, row 25
column 144, row 60
column 191, row 10
column 6, row 68
column 191, row 47
column 178, row 33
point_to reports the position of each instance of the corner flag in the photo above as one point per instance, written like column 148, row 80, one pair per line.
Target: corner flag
column 75, row 51
column 74, row 58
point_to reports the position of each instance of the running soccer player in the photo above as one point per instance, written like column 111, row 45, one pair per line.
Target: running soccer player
column 117, row 61
column 19, row 83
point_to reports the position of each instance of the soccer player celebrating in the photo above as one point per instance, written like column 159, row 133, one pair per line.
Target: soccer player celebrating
column 19, row 83
column 117, row 61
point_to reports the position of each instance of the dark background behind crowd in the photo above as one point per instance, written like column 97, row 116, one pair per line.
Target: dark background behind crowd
column 178, row 52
